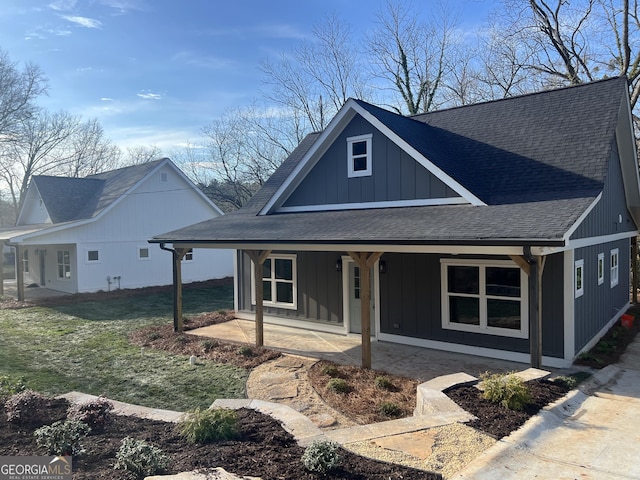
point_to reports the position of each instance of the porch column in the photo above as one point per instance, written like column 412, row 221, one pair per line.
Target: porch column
column 19, row 273
column 178, row 255
column 258, row 257
column 533, row 266
column 634, row 269
column 365, row 261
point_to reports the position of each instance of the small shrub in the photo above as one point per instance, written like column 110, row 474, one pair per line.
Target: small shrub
column 201, row 426
column 181, row 339
column 153, row 336
column 321, row 456
column 95, row 413
column 26, row 408
column 338, row 385
column 10, row 386
column 140, row 458
column 208, row 345
column 383, row 383
column 331, row 370
column 246, row 351
column 567, row 382
column 63, row 437
column 508, row 390
column 390, row 409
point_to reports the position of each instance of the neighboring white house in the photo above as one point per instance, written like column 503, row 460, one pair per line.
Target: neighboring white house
column 90, row 234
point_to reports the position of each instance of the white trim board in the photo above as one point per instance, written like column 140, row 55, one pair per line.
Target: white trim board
column 426, row 202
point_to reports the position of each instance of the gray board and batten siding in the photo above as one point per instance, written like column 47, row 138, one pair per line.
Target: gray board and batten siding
column 410, row 299
column 395, row 175
column 600, row 302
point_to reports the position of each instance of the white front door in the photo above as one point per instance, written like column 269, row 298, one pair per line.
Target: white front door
column 353, row 298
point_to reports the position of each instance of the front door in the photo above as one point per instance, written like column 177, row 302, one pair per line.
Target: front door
column 354, row 302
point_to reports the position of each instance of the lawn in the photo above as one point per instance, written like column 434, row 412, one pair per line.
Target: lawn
column 85, row 347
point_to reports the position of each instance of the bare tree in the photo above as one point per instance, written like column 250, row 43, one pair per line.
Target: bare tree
column 410, row 55
column 36, row 150
column 140, row 154
column 89, row 151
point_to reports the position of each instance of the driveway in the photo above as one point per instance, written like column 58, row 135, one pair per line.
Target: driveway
column 594, row 433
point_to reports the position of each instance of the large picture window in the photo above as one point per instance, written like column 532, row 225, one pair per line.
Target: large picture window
column 64, row 264
column 485, row 297
column 279, row 281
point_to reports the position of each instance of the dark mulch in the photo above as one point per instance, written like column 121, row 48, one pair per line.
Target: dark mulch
column 263, row 449
column 497, row 420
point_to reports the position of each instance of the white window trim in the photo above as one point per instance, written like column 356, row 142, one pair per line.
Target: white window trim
column 359, row 173
column 294, row 267
column 615, row 269
column 578, row 290
column 86, row 256
column 600, row 267
column 188, row 257
column 143, row 259
column 523, row 332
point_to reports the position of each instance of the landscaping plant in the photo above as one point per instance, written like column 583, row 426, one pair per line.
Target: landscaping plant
column 140, row 458
column 321, row 456
column 389, row 409
column 338, row 385
column 10, row 386
column 383, row 382
column 210, row 425
column 507, row 389
column 62, row 437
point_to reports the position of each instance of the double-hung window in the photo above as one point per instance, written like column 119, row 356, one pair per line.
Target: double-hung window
column 64, row 264
column 359, row 156
column 485, row 297
column 279, row 287
column 578, row 278
column 614, row 267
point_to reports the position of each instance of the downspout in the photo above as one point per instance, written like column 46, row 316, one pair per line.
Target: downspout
column 535, row 307
column 177, row 289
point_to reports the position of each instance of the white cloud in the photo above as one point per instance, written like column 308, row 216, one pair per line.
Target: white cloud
column 204, row 61
column 83, row 21
column 106, row 99
column 63, row 5
column 150, row 96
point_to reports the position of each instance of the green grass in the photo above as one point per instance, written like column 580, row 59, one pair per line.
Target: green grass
column 84, row 347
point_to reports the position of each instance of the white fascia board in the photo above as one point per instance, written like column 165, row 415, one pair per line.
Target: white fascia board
column 46, row 231
column 369, row 205
column 332, row 131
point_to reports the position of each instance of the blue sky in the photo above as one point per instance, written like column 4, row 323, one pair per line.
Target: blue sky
column 154, row 72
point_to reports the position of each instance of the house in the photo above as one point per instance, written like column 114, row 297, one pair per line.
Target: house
column 90, row 234
column 500, row 229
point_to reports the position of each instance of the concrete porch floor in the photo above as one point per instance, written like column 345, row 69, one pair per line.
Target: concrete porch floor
column 30, row 293
column 417, row 362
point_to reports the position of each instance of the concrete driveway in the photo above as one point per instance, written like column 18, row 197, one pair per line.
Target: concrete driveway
column 594, row 433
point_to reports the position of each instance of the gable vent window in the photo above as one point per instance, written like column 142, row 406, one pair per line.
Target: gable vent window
column 163, row 177
column 359, row 156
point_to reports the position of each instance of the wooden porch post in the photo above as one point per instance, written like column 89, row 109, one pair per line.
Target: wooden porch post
column 534, row 269
column 258, row 257
column 19, row 273
column 178, row 255
column 1, row 270
column 365, row 261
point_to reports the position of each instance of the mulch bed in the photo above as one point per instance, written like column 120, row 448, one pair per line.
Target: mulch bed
column 499, row 421
column 263, row 449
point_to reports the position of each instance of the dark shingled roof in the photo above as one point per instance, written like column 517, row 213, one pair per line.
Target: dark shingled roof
column 538, row 161
column 71, row 199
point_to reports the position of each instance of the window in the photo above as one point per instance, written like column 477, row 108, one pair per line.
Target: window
column 485, row 297
column 188, row 256
column 614, row 267
column 25, row 261
column 600, row 268
column 359, row 156
column 93, row 256
column 578, row 278
column 163, row 177
column 143, row 253
column 279, row 281
column 64, row 264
